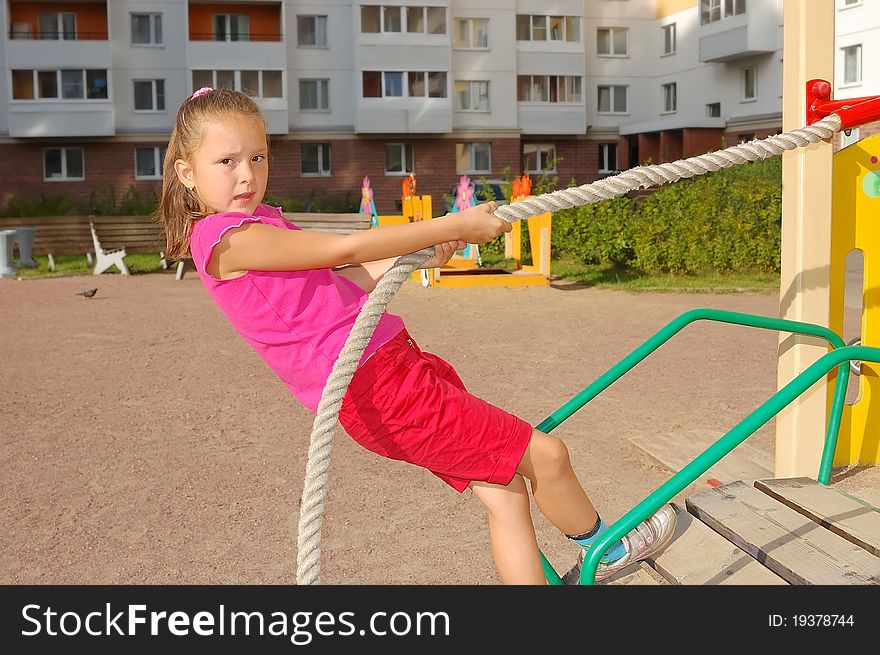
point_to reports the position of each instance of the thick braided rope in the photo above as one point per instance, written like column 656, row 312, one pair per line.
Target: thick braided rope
column 314, row 488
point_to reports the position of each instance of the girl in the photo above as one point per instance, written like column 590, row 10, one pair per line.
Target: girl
column 294, row 295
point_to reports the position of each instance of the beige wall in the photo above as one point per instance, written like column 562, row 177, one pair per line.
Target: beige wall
column 666, row 7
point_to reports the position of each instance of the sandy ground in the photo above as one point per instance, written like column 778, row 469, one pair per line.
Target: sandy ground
column 143, row 441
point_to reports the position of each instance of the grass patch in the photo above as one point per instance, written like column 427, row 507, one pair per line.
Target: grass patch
column 628, row 280
column 78, row 265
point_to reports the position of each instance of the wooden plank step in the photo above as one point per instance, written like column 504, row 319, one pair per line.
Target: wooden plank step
column 677, row 450
column 791, row 545
column 700, row 556
column 853, row 520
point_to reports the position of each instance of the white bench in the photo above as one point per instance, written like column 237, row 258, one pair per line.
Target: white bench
column 104, row 259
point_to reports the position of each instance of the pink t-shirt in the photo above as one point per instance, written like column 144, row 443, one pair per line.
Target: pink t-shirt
column 297, row 321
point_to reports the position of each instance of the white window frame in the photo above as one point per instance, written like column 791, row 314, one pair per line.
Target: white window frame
column 236, row 80
column 669, row 38
column 567, row 21
column 471, row 147
column 324, row 152
column 158, row 160
column 604, row 158
column 318, row 82
column 59, row 31
column 612, row 31
column 227, row 19
column 670, row 97
column 471, row 34
column 404, row 19
column 859, row 50
column 316, row 20
column 745, row 84
column 613, row 90
column 709, row 106
column 64, row 177
column 544, row 152
column 155, row 22
column 407, row 156
column 568, row 82
column 474, row 91
column 154, row 96
column 722, row 9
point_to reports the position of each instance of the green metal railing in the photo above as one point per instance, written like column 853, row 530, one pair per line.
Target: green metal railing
column 840, row 357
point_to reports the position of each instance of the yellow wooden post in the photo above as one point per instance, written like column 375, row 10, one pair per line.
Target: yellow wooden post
column 808, row 35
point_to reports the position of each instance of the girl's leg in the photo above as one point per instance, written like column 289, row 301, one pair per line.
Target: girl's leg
column 511, row 532
column 555, row 487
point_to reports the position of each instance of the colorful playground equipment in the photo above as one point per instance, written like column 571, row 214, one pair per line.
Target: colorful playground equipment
column 467, row 269
column 367, row 204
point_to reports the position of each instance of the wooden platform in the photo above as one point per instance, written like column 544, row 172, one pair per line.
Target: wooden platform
column 790, row 531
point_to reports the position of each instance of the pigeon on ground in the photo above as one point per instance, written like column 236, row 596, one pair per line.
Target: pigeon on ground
column 88, row 293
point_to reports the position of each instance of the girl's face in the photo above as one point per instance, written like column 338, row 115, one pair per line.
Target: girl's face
column 230, row 169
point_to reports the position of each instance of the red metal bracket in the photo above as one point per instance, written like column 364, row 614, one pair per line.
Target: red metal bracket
column 852, row 111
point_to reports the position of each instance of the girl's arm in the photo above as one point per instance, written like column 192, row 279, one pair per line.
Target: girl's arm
column 261, row 247
column 368, row 274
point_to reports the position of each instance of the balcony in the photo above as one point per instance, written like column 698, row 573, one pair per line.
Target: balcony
column 728, row 37
column 49, row 35
column 404, row 115
column 61, row 118
column 244, row 35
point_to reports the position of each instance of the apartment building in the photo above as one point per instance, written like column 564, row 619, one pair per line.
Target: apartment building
column 386, row 88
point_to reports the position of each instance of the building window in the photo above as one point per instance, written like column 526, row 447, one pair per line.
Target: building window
column 63, row 85
column 146, row 29
column 399, row 159
column 750, row 83
column 850, row 3
column 148, row 163
column 611, row 41
column 311, row 31
column 314, row 95
column 471, row 34
column 539, row 158
column 852, row 64
column 669, row 39
column 471, row 96
column 612, row 100
column 607, row 157
column 548, row 88
column 314, row 159
column 231, row 27
column 390, row 84
column 713, row 110
column 255, row 83
column 55, row 25
column 426, row 20
column 713, row 10
column 548, row 28
column 62, row 164
column 670, row 102
column 473, row 158
column 149, row 95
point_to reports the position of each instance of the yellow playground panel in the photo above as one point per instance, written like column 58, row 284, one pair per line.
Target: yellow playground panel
column 855, row 207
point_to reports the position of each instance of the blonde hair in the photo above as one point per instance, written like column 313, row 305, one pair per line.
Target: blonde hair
column 179, row 207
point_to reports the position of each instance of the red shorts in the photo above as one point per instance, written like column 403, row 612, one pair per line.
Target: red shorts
column 410, row 405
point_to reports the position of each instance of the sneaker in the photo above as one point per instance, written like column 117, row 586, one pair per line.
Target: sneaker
column 645, row 540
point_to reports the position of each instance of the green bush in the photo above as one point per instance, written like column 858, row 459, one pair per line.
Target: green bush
column 727, row 221
column 43, row 205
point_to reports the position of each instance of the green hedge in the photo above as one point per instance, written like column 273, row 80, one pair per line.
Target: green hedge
column 728, row 221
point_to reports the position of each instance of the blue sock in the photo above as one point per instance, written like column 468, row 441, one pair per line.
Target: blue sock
column 587, row 539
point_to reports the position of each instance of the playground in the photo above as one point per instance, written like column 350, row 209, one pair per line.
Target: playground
column 130, row 458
